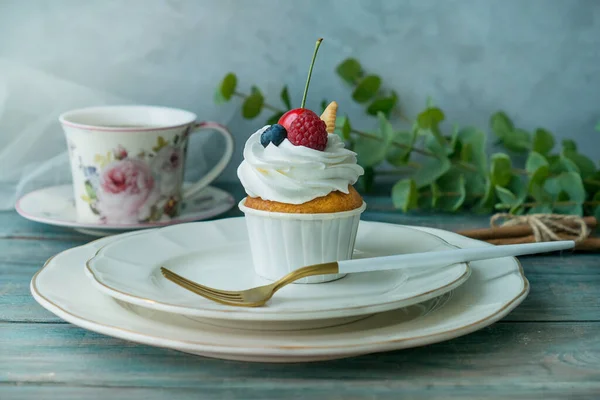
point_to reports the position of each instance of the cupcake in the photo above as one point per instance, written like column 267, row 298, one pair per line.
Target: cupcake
column 301, row 208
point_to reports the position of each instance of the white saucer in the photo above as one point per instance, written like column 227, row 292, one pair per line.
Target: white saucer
column 494, row 289
column 55, row 206
column 217, row 254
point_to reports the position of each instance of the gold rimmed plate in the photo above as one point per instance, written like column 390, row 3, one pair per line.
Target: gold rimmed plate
column 494, row 289
column 217, row 254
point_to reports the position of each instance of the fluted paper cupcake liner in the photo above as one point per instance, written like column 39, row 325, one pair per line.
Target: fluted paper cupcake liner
column 283, row 242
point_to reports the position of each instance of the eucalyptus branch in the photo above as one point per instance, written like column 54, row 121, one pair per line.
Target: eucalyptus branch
column 573, row 174
column 399, row 145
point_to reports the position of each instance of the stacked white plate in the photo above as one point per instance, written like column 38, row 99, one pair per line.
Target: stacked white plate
column 113, row 286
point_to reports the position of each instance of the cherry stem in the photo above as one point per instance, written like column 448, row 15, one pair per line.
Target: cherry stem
column 310, row 71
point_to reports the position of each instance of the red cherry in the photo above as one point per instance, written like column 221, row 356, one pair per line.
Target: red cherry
column 289, row 117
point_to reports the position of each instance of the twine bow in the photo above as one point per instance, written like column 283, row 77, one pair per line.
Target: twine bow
column 545, row 227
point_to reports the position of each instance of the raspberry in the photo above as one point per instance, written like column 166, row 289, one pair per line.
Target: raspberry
column 308, row 130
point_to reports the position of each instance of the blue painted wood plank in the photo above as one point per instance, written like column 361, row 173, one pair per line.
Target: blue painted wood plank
column 33, row 251
column 503, row 359
column 264, row 391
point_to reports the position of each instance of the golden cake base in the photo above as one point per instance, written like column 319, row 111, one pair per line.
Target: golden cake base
column 332, row 203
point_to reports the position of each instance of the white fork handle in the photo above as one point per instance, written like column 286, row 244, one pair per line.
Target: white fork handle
column 448, row 257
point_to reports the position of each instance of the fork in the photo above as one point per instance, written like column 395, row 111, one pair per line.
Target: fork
column 258, row 296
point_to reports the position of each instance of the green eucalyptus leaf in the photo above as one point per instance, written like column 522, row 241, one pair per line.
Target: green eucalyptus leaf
column 430, row 118
column 285, row 97
column 517, row 209
column 436, row 193
column 367, row 180
column 452, row 191
column 455, row 143
column 506, row 197
column 501, row 169
column 424, row 198
column 253, row 104
column 543, row 141
column 386, row 130
column 537, row 190
column 569, row 144
column 586, row 166
column 500, row 124
column 366, row 89
column 404, row 195
column 346, row 128
column 592, row 183
column 518, row 185
column 571, row 183
column 350, row 70
column 324, row 104
column 598, row 127
column 488, row 200
column 552, row 186
column 563, row 196
column 570, row 209
column 476, row 140
column 562, row 164
column 431, row 170
column 475, row 184
column 539, row 176
column 517, row 140
column 226, row 88
column 466, row 152
column 434, row 146
column 538, row 168
column 372, row 151
column 541, row 209
column 535, row 161
column 343, row 127
column 383, row 104
column 399, row 152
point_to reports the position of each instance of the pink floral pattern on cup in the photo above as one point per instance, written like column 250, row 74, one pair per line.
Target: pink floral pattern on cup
column 124, row 189
column 126, row 185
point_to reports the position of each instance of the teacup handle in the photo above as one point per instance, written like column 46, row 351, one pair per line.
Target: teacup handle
column 220, row 166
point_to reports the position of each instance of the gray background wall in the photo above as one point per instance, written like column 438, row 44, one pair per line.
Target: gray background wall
column 537, row 59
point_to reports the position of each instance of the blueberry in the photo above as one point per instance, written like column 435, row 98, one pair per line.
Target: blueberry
column 273, row 134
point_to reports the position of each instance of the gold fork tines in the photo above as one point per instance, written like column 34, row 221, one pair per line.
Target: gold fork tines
column 254, row 297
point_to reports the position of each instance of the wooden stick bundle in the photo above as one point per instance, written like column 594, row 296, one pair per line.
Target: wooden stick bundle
column 516, row 234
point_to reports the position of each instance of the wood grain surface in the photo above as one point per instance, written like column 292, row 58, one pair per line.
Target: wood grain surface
column 549, row 347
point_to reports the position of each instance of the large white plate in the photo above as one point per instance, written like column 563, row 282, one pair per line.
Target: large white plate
column 54, row 205
column 493, row 290
column 217, row 254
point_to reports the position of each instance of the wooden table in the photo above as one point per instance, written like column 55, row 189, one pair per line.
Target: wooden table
column 549, row 347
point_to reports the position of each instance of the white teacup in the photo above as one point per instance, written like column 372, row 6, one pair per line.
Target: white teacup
column 128, row 162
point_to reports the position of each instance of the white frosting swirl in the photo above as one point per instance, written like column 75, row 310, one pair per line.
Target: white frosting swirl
column 296, row 174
